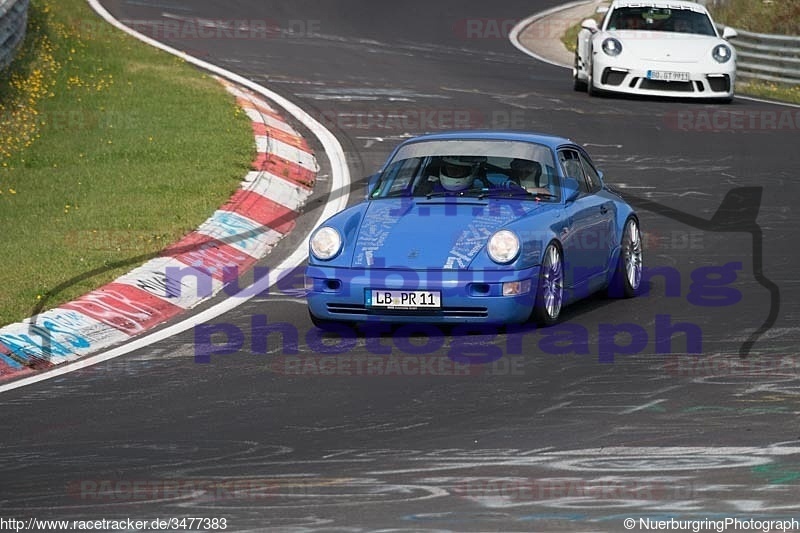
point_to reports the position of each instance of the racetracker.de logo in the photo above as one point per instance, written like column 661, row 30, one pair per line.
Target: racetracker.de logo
column 484, row 28
column 403, row 119
column 391, row 366
column 143, row 490
column 172, row 27
column 733, row 366
column 719, row 120
column 602, row 488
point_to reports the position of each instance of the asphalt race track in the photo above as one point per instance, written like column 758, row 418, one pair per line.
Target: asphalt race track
column 274, row 438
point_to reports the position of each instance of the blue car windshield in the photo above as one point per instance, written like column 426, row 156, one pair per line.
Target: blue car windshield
column 479, row 168
column 660, row 19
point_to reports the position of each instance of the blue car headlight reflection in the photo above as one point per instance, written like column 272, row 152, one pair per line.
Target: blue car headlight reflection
column 325, row 243
column 503, row 246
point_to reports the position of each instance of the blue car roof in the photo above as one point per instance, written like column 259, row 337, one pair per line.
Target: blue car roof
column 552, row 141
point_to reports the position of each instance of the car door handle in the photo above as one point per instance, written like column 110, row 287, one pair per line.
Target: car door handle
column 603, row 209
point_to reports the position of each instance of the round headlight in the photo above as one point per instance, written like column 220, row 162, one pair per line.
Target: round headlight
column 612, row 47
column 721, row 53
column 503, row 246
column 325, row 243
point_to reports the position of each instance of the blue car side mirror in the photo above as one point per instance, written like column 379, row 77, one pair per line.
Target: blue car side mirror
column 571, row 189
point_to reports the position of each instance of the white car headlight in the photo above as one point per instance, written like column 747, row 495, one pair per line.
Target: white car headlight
column 325, row 243
column 612, row 47
column 503, row 246
column 721, row 53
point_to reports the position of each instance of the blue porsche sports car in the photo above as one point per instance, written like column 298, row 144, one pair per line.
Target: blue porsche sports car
column 475, row 227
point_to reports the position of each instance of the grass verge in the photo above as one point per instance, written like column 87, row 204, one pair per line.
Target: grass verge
column 781, row 17
column 570, row 37
column 770, row 91
column 109, row 151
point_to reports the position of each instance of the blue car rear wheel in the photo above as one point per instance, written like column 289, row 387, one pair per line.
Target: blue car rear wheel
column 628, row 274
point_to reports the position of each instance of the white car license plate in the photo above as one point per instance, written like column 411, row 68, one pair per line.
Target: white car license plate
column 666, row 75
column 395, row 299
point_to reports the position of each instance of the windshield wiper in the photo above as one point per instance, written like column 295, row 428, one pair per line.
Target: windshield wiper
column 510, row 193
column 433, row 194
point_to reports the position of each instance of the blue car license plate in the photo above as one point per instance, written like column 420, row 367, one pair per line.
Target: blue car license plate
column 400, row 299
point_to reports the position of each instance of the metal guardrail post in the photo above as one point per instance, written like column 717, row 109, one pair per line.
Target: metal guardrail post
column 13, row 21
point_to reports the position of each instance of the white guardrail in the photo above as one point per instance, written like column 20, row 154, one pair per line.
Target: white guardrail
column 767, row 57
column 764, row 56
column 13, row 19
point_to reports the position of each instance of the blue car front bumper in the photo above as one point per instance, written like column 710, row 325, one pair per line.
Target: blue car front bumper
column 475, row 297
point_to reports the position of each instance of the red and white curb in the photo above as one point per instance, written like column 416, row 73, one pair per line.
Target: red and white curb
column 188, row 272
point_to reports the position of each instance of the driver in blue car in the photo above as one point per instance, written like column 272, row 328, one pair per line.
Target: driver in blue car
column 457, row 174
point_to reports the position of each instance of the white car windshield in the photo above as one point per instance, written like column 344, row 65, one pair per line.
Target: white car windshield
column 660, row 19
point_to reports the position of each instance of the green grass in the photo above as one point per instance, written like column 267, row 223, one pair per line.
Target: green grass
column 781, row 17
column 110, row 151
column 570, row 37
column 770, row 91
column 761, row 16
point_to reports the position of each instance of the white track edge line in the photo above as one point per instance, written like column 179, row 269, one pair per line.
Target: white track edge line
column 513, row 35
column 340, row 180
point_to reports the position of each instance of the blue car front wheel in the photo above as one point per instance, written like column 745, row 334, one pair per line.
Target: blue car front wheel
column 550, row 291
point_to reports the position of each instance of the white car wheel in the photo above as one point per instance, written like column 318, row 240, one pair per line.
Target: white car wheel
column 577, row 83
column 590, row 88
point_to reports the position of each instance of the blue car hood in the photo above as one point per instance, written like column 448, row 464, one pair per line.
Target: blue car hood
column 443, row 233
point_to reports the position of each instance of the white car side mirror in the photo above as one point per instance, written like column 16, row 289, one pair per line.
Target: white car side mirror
column 589, row 24
column 729, row 33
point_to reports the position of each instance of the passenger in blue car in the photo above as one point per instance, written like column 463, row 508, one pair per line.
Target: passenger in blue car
column 529, row 176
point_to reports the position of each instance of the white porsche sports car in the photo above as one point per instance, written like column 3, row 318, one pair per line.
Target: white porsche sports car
column 658, row 48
